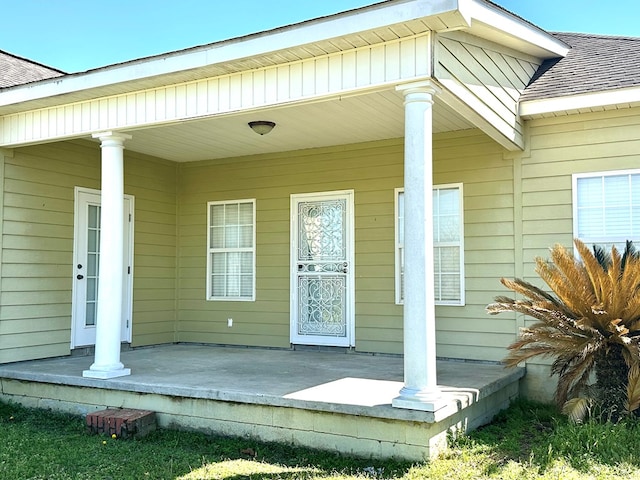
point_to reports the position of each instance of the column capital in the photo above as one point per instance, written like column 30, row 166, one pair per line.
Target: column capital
column 116, row 138
column 424, row 86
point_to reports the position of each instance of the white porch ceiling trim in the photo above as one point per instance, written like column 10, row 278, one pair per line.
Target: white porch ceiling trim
column 343, row 73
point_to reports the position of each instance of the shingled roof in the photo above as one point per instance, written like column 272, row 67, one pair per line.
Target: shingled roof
column 595, row 63
column 17, row 71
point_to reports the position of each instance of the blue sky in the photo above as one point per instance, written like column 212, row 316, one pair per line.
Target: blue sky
column 77, row 35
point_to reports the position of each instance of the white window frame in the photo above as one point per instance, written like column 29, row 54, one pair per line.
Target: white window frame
column 251, row 249
column 603, row 239
column 399, row 247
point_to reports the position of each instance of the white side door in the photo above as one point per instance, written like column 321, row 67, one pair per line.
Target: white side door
column 322, row 276
column 86, row 267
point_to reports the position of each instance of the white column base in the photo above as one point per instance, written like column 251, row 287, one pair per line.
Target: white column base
column 106, row 371
column 426, row 401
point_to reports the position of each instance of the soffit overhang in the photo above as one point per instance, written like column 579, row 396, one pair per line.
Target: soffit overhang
column 612, row 99
column 382, row 22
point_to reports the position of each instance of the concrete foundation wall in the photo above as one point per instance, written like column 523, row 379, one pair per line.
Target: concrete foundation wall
column 348, row 434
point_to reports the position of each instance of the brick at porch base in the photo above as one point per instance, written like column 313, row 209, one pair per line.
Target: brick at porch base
column 124, row 422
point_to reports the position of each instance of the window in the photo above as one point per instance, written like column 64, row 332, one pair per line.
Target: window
column 448, row 245
column 231, row 239
column 606, row 207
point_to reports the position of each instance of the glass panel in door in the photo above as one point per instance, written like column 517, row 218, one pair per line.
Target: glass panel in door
column 87, row 268
column 93, row 264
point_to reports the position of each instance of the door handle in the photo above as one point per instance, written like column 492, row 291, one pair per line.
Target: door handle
column 79, row 276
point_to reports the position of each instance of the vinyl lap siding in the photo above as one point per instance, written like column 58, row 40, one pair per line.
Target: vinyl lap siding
column 35, row 298
column 489, row 78
column 35, row 318
column 171, row 215
column 559, row 147
column 478, row 162
column 373, row 171
column 153, row 183
column 562, row 146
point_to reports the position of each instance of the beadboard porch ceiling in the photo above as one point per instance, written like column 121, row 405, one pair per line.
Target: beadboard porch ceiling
column 365, row 117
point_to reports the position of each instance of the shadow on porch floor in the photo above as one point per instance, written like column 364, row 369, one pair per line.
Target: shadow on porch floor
column 327, row 400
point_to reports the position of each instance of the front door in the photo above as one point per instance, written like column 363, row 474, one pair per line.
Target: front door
column 322, row 299
column 86, row 268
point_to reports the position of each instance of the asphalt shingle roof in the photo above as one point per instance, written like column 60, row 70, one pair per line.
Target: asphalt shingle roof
column 17, row 71
column 595, row 63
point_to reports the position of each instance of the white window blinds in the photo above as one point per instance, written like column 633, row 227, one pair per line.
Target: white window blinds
column 231, row 249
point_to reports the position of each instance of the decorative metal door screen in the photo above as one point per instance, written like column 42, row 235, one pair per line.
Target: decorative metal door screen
column 322, row 271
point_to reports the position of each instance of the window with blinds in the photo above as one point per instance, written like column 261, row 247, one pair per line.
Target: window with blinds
column 448, row 245
column 231, row 250
column 606, row 208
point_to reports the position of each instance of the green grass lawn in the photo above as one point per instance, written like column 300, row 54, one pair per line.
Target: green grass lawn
column 525, row 442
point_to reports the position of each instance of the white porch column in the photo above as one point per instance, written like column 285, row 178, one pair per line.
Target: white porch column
column 109, row 323
column 420, row 391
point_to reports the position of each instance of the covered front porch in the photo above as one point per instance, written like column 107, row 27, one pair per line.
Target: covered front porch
column 334, row 400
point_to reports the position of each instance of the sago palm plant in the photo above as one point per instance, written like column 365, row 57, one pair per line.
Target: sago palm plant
column 589, row 324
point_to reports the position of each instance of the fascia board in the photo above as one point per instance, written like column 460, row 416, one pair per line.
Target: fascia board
column 355, row 21
column 569, row 103
column 536, row 41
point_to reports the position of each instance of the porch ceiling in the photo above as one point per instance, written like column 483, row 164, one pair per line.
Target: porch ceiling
column 339, row 121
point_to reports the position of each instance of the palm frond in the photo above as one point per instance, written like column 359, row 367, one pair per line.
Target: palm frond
column 570, row 286
column 567, row 347
column 548, row 316
column 629, row 253
column 590, row 316
column 602, row 256
column 573, row 376
column 577, row 409
column 528, row 290
column 595, row 272
column 633, row 388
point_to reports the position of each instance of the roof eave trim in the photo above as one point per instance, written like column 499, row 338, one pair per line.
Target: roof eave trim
column 571, row 103
column 367, row 18
column 493, row 17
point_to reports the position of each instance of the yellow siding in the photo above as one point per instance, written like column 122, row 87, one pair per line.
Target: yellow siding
column 373, row 171
column 504, row 195
column 37, row 247
column 478, row 162
column 3, row 154
column 154, row 185
column 487, row 77
column 559, row 147
column 562, row 146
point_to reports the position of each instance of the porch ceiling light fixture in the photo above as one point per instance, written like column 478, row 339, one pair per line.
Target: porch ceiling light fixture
column 262, row 127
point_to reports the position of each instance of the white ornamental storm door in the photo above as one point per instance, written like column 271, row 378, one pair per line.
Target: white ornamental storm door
column 86, row 268
column 322, row 277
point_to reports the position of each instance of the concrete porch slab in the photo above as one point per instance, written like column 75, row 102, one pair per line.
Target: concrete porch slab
column 329, row 400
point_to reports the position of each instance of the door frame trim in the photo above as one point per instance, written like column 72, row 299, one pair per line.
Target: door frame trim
column 351, row 286
column 74, row 290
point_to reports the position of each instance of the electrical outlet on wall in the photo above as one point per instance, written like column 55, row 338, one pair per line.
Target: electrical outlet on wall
column 229, row 322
